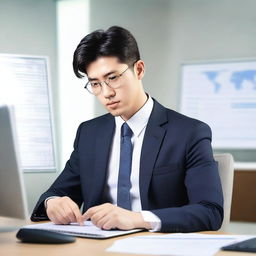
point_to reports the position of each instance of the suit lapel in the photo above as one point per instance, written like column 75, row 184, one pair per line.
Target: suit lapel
column 152, row 142
column 102, row 148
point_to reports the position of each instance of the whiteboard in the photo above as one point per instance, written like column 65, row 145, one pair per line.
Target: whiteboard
column 24, row 83
column 222, row 94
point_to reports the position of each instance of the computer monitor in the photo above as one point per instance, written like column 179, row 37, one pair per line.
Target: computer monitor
column 13, row 203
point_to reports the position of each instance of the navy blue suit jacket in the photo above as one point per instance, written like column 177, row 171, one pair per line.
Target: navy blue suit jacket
column 179, row 180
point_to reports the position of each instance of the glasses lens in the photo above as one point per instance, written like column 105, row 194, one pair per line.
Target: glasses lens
column 93, row 88
column 113, row 81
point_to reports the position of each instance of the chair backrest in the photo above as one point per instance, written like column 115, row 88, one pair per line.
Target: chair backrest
column 226, row 172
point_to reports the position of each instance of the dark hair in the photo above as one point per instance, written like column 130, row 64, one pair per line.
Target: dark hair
column 115, row 41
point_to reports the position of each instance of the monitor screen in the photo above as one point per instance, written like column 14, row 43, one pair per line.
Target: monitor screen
column 13, row 203
column 222, row 94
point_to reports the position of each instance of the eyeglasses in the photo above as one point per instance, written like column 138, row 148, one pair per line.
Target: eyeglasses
column 112, row 81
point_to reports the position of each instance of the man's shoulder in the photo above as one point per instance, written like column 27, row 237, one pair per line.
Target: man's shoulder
column 180, row 123
column 98, row 121
column 181, row 118
column 175, row 117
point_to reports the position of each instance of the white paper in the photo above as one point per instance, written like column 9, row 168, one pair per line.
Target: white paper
column 88, row 230
column 180, row 244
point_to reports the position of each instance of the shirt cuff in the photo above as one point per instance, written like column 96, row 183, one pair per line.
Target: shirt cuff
column 45, row 201
column 154, row 221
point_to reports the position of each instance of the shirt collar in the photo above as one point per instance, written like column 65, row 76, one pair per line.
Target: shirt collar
column 139, row 120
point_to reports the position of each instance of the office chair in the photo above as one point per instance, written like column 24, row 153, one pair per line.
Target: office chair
column 226, row 172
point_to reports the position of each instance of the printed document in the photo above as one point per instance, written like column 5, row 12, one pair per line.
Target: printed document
column 181, row 244
column 88, row 230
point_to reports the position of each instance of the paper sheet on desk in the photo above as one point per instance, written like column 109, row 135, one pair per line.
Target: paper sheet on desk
column 88, row 230
column 180, row 244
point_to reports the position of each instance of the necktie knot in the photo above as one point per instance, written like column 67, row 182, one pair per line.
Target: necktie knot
column 126, row 130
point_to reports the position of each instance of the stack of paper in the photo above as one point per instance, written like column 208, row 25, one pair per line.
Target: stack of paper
column 88, row 230
column 175, row 244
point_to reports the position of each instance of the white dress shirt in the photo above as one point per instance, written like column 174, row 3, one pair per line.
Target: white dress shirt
column 137, row 123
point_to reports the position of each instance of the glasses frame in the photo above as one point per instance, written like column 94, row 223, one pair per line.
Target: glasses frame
column 107, row 82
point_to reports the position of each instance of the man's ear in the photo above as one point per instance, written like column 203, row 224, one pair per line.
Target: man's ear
column 139, row 69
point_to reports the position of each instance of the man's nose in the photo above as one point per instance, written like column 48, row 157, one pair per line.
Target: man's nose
column 107, row 91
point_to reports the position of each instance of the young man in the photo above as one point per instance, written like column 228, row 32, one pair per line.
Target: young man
column 140, row 166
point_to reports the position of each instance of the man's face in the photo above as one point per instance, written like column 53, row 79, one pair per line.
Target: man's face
column 125, row 100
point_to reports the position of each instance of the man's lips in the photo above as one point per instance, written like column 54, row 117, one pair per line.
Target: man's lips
column 112, row 103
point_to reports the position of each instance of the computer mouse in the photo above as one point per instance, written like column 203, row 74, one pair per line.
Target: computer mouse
column 27, row 235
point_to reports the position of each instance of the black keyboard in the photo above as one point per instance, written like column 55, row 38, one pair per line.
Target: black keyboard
column 244, row 246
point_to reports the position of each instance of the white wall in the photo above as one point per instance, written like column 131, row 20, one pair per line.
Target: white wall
column 149, row 22
column 171, row 32
column 75, row 104
column 29, row 27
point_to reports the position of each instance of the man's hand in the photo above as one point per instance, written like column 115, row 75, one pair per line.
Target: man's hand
column 63, row 210
column 108, row 216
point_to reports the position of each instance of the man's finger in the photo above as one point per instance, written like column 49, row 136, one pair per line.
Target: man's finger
column 73, row 211
column 59, row 218
column 86, row 216
column 78, row 215
column 101, row 222
column 69, row 213
column 89, row 213
column 108, row 225
column 97, row 216
column 95, row 209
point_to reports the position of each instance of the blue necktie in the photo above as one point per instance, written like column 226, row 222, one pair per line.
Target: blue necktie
column 124, row 183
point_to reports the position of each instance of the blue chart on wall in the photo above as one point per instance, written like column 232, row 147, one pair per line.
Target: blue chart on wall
column 224, row 96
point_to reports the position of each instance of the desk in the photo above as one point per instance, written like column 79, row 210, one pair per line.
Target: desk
column 243, row 198
column 10, row 246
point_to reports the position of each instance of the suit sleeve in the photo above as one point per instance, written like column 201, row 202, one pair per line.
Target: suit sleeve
column 205, row 208
column 67, row 184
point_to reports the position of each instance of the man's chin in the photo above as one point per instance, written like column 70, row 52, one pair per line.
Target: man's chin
column 115, row 112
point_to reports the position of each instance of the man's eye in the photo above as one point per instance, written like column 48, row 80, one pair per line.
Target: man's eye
column 96, row 84
column 112, row 78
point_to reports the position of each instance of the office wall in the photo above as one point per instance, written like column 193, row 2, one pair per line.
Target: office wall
column 149, row 21
column 75, row 104
column 171, row 32
column 213, row 30
column 29, row 27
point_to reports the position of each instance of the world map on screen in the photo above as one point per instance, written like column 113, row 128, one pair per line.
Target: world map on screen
column 237, row 78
